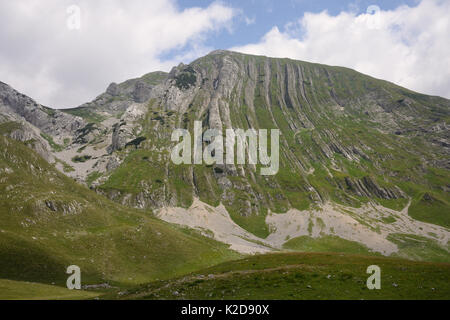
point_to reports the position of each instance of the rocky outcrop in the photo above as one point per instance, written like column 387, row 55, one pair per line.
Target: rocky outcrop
column 118, row 97
column 367, row 187
column 49, row 121
column 26, row 133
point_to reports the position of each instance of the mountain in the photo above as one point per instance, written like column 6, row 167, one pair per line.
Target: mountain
column 364, row 163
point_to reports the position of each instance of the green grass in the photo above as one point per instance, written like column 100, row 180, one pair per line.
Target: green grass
column 128, row 177
column 92, row 177
column 419, row 248
column 56, row 147
column 394, row 204
column 389, row 219
column 66, row 167
column 82, row 158
column 85, row 113
column 430, row 208
column 21, row 290
column 62, row 223
column 305, row 276
column 8, row 127
column 154, row 78
column 326, row 244
column 255, row 224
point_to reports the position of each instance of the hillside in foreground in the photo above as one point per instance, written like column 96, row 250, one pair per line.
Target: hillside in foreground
column 304, row 276
column 49, row 222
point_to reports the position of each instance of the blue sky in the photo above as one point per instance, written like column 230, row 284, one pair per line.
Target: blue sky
column 264, row 14
column 44, row 56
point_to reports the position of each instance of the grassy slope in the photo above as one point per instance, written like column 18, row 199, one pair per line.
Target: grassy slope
column 419, row 248
column 326, row 244
column 431, row 209
column 21, row 290
column 305, row 276
column 49, row 222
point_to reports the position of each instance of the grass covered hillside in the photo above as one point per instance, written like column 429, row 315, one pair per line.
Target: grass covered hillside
column 48, row 222
column 305, row 276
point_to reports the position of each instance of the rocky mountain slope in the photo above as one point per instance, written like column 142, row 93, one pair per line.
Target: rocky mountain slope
column 375, row 152
column 49, row 222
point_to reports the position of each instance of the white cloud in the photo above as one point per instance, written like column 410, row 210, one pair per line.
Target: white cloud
column 249, row 21
column 43, row 58
column 409, row 45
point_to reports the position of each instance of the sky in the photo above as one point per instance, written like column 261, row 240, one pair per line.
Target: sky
column 63, row 53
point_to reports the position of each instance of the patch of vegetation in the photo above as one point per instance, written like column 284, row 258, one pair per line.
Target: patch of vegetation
column 136, row 142
column 160, row 119
column 66, row 167
column 419, row 248
column 82, row 158
column 326, row 244
column 431, row 208
column 154, row 78
column 394, row 204
column 92, row 177
column 389, row 219
column 255, row 223
column 81, row 149
column 186, row 78
column 128, row 177
column 51, row 112
column 85, row 113
column 8, row 127
column 56, row 147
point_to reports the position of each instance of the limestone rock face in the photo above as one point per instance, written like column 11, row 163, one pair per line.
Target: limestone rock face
column 25, row 132
column 113, row 89
column 345, row 137
column 334, row 126
column 142, row 92
column 50, row 121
